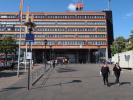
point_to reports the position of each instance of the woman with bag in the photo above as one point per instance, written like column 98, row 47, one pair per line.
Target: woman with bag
column 105, row 72
column 117, row 72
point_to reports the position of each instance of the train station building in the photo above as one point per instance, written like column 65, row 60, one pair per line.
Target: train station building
column 80, row 36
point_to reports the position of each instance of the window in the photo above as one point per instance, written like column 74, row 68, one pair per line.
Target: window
column 101, row 29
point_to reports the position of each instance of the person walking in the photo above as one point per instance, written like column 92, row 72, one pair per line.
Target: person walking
column 54, row 63
column 105, row 72
column 117, row 72
column 12, row 65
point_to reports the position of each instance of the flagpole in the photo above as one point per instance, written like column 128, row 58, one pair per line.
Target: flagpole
column 19, row 48
column 31, row 66
column 26, row 31
column 25, row 57
column 20, row 16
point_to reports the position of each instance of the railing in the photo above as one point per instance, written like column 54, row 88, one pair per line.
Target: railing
column 37, row 74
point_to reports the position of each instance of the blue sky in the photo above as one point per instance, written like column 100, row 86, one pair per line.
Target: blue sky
column 122, row 10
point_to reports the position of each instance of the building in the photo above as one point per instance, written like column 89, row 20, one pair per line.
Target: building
column 80, row 36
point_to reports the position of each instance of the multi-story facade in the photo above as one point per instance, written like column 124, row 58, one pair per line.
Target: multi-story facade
column 82, row 37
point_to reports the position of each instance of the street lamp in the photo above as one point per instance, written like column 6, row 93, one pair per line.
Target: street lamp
column 45, row 43
column 99, row 54
column 51, row 55
column 29, row 38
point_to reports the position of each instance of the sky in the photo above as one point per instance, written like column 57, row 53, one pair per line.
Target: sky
column 122, row 10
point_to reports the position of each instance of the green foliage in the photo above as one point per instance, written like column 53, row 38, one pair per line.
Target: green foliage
column 121, row 41
column 7, row 45
column 113, row 49
column 131, row 41
column 118, row 45
column 121, row 44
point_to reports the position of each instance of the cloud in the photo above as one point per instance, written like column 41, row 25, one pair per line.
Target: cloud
column 129, row 14
column 72, row 7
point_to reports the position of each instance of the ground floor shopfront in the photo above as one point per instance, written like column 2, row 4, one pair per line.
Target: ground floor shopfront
column 73, row 55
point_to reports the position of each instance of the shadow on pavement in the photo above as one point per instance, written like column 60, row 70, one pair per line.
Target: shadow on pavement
column 112, row 83
column 121, row 83
column 9, row 74
column 12, row 88
column 61, row 83
column 61, row 70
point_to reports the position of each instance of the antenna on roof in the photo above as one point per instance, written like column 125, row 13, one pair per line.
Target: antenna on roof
column 109, row 2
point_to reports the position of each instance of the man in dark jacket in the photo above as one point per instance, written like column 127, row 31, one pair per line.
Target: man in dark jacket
column 105, row 72
column 117, row 71
column 54, row 63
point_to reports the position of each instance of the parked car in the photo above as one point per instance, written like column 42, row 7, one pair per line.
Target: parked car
column 5, row 64
column 23, row 62
column 1, row 63
column 110, row 62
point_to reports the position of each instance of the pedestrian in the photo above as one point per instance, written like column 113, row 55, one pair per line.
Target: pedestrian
column 105, row 73
column 54, row 63
column 117, row 72
column 12, row 65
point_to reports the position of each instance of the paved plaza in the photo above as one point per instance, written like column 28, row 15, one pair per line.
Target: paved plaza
column 72, row 82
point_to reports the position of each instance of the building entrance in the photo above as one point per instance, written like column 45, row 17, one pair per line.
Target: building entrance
column 73, row 55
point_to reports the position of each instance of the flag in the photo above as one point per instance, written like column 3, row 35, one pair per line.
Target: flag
column 27, row 14
column 21, row 8
column 27, row 18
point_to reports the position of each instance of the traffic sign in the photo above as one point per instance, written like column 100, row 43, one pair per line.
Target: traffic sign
column 29, row 37
column 29, row 55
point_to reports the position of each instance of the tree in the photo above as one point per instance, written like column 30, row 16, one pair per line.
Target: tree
column 113, row 48
column 130, row 44
column 7, row 46
column 118, row 45
column 121, row 41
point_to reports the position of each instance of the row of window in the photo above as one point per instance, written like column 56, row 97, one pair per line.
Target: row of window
column 68, row 42
column 66, row 35
column 56, row 23
column 57, row 16
column 3, row 23
column 91, row 29
column 70, row 16
column 9, row 16
column 12, row 29
column 43, row 29
column 70, row 22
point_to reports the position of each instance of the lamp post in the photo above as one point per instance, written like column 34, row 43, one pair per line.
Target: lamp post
column 45, row 43
column 43, row 58
column 29, row 38
column 51, row 55
column 99, row 55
